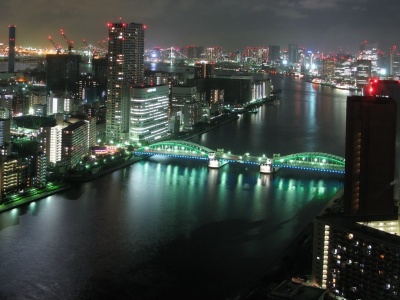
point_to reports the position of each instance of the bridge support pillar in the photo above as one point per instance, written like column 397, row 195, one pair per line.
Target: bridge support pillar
column 216, row 163
column 267, row 167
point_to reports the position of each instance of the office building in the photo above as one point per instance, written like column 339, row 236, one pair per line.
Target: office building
column 202, row 70
column 125, row 69
column 37, row 96
column 363, row 72
column 370, row 155
column 274, row 54
column 181, row 95
column 216, row 100
column 192, row 51
column 62, row 73
column 328, row 67
column 149, row 113
column 11, row 48
column 293, row 54
column 100, row 71
column 60, row 103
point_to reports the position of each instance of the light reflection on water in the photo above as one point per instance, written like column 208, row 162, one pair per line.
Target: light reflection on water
column 172, row 227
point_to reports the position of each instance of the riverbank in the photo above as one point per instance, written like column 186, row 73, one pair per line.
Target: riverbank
column 83, row 178
column 51, row 190
column 28, row 199
column 295, row 260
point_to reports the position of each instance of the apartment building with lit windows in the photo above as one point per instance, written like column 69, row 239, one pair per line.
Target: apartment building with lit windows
column 125, row 68
column 13, row 175
column 357, row 257
column 75, row 142
column 49, row 143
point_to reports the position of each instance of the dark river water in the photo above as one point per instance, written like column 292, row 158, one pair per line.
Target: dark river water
column 171, row 228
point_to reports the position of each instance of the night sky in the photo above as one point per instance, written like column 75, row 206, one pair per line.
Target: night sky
column 318, row 25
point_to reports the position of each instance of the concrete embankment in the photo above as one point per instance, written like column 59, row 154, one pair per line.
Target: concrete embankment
column 32, row 198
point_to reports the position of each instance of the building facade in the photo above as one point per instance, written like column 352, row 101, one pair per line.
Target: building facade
column 149, row 113
column 125, row 69
column 11, row 48
column 75, row 142
column 50, row 143
column 370, row 155
column 357, row 257
column 62, row 72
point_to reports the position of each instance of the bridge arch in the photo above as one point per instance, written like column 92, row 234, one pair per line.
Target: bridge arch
column 176, row 147
column 311, row 160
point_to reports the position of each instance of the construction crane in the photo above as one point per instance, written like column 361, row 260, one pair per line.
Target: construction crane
column 100, row 45
column 91, row 52
column 57, row 47
column 69, row 42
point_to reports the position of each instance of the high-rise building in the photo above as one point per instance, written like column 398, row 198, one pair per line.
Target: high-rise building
column 49, row 143
column 293, row 54
column 75, row 142
column 62, row 72
column 363, row 72
column 274, row 54
column 202, row 70
column 357, row 257
column 41, row 170
column 13, row 176
column 5, row 144
column 11, row 48
column 370, row 155
column 149, row 113
column 125, row 69
column 328, row 67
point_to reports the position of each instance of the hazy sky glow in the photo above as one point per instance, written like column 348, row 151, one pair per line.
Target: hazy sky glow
column 318, row 25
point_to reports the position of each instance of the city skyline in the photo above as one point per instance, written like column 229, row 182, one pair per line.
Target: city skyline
column 317, row 25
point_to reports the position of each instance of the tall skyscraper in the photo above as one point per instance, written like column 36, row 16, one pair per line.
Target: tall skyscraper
column 293, row 54
column 11, row 48
column 125, row 69
column 370, row 155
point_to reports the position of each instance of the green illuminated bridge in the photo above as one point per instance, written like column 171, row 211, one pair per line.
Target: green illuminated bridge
column 315, row 161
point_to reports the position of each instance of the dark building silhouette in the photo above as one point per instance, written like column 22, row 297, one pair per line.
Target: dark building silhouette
column 274, row 53
column 357, row 257
column 11, row 48
column 370, row 155
column 202, row 70
column 62, row 72
column 293, row 54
